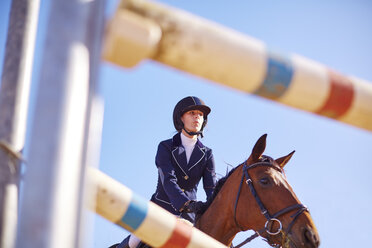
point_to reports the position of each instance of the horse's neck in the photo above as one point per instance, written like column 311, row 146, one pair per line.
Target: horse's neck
column 218, row 220
column 217, row 225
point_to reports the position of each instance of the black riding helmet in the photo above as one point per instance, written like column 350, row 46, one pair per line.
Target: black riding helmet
column 187, row 104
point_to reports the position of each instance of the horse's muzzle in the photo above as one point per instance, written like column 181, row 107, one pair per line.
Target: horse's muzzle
column 310, row 238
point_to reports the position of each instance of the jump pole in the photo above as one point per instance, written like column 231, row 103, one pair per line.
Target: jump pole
column 147, row 30
column 14, row 95
column 149, row 222
column 61, row 136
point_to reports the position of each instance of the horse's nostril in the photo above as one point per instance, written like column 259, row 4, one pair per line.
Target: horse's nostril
column 311, row 239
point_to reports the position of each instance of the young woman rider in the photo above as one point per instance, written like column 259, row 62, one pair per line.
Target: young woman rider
column 182, row 162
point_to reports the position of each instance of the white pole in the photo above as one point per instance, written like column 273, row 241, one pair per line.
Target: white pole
column 206, row 49
column 149, row 222
column 93, row 130
column 14, row 95
column 52, row 199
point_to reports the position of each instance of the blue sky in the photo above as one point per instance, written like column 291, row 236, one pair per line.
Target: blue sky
column 330, row 171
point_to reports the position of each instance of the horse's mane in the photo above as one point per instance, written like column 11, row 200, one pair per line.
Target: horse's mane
column 216, row 190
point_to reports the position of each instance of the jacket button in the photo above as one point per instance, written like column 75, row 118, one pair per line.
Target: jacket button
column 186, row 177
column 183, row 190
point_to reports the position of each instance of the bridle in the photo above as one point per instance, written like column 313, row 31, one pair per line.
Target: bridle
column 270, row 219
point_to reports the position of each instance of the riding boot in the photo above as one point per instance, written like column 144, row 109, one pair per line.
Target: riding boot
column 124, row 243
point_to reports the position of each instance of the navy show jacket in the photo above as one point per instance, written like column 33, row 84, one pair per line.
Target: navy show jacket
column 177, row 179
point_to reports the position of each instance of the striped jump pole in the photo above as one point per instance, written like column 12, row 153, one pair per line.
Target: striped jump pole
column 141, row 30
column 146, row 220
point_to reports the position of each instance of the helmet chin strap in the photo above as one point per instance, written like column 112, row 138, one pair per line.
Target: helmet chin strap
column 194, row 133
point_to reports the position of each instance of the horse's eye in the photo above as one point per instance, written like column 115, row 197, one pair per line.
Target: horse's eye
column 264, row 181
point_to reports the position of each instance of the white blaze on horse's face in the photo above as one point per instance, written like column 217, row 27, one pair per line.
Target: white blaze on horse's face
column 193, row 120
column 278, row 178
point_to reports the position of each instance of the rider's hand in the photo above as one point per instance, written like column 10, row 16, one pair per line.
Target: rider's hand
column 193, row 206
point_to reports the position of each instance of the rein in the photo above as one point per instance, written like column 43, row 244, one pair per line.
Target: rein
column 270, row 219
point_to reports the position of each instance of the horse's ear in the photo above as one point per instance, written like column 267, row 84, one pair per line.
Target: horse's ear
column 259, row 148
column 284, row 160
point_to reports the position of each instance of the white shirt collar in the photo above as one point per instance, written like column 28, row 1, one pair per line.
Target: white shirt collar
column 186, row 141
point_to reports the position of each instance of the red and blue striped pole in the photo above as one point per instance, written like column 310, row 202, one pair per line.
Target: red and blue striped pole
column 142, row 29
column 146, row 220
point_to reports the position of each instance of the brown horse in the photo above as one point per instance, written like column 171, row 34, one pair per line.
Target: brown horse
column 256, row 196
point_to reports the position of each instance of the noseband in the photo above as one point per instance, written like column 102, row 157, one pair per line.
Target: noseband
column 270, row 219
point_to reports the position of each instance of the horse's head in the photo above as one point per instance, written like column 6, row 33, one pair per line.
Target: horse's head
column 266, row 203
